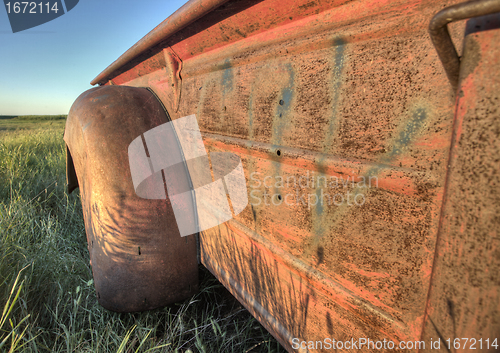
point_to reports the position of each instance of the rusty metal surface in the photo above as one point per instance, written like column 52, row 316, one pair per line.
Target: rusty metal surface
column 352, row 91
column 464, row 300
column 139, row 261
column 441, row 37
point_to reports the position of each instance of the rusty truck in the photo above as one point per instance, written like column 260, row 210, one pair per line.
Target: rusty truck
column 334, row 163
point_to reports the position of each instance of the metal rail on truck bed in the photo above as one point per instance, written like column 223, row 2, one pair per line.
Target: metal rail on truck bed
column 372, row 182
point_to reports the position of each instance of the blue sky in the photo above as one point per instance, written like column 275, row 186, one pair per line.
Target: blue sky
column 45, row 68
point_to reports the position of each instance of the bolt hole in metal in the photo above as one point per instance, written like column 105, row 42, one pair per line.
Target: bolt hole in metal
column 279, row 197
column 278, row 152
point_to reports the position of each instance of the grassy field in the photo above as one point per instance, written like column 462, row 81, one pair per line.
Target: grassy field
column 47, row 297
column 31, row 122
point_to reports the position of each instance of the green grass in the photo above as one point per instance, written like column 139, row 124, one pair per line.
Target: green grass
column 47, row 297
column 30, row 122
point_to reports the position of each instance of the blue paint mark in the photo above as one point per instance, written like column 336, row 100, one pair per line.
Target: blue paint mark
column 319, row 205
column 281, row 118
column 339, row 60
column 227, row 77
column 339, row 44
column 405, row 138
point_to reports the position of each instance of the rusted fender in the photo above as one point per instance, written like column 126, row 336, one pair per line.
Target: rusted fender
column 139, row 260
